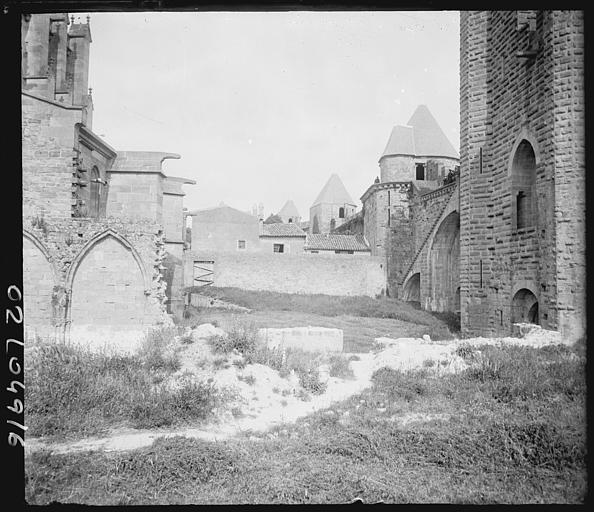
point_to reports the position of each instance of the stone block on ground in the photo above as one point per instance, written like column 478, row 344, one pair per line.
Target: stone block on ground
column 311, row 339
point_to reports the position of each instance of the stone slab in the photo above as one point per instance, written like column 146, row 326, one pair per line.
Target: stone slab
column 311, row 339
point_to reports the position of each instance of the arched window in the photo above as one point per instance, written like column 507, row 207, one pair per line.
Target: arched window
column 94, row 193
column 290, row 220
column 341, row 212
column 524, row 186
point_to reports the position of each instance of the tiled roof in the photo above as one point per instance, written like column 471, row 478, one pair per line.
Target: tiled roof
column 333, row 242
column 279, row 229
column 334, row 193
column 421, row 137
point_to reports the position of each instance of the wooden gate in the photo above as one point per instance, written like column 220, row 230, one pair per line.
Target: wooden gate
column 203, row 272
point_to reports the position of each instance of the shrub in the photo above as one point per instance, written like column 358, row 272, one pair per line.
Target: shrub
column 464, row 350
column 310, row 381
column 156, row 350
column 339, row 367
column 241, row 337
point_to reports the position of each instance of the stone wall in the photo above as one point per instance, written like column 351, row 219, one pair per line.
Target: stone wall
column 105, row 280
column 48, row 136
column 522, row 85
column 381, row 202
column 290, row 273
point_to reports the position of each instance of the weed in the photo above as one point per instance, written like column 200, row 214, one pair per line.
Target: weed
column 186, row 339
column 310, row 381
column 72, row 390
column 219, row 363
column 428, row 363
column 250, row 380
column 156, row 350
column 237, row 412
column 241, row 337
column 464, row 350
column 339, row 367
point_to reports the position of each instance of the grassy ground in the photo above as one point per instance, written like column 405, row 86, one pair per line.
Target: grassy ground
column 362, row 319
column 71, row 392
column 511, row 429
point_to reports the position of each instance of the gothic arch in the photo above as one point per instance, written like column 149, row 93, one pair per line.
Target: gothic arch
column 92, row 243
column 108, row 291
column 43, row 249
column 39, row 287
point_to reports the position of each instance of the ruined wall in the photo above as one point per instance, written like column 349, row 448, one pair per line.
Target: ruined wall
column 508, row 99
column 97, row 265
column 291, row 273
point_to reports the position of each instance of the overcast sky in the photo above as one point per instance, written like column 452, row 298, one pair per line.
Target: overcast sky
column 263, row 107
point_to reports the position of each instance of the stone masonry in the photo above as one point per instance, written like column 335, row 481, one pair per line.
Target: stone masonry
column 100, row 227
column 522, row 183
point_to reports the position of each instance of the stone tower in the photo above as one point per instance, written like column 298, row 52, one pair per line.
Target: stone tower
column 418, row 151
column 332, row 206
column 522, row 183
column 289, row 213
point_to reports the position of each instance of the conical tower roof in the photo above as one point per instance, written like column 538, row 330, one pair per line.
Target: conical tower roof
column 334, row 192
column 289, row 210
column 422, row 136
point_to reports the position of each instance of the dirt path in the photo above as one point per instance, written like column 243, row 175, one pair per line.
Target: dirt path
column 267, row 409
column 269, row 415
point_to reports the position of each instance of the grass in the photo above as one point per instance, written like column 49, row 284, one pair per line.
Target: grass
column 323, row 305
column 71, row 391
column 358, row 332
column 470, row 443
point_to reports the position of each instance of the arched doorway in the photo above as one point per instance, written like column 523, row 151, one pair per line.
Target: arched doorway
column 107, row 294
column 412, row 289
column 444, row 264
column 524, row 307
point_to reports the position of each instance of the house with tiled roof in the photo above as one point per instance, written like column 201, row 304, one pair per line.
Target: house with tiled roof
column 332, row 207
column 332, row 244
column 282, row 238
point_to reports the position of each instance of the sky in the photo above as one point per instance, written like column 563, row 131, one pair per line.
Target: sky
column 263, row 107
